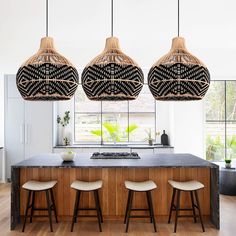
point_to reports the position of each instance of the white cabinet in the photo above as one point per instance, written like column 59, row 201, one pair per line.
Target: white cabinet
column 2, row 165
column 163, row 150
column 143, row 150
column 28, row 126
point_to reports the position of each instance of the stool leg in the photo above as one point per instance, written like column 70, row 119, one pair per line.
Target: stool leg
column 76, row 206
column 32, row 207
column 99, row 205
column 98, row 211
column 127, row 206
column 199, row 210
column 194, row 213
column 54, row 205
column 177, row 210
column 26, row 210
column 172, row 204
column 129, row 210
column 151, row 209
column 49, row 209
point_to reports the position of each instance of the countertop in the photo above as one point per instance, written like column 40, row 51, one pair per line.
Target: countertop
column 146, row 161
column 136, row 146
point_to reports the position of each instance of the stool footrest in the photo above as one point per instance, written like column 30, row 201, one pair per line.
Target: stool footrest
column 184, row 209
column 43, row 209
column 139, row 216
column 139, row 209
column 87, row 209
column 86, row 215
column 36, row 216
column 196, row 216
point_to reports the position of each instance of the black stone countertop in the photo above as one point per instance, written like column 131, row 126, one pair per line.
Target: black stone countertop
column 146, row 161
column 136, row 146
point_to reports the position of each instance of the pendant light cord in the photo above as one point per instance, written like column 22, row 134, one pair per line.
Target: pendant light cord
column 112, row 17
column 46, row 18
column 178, row 18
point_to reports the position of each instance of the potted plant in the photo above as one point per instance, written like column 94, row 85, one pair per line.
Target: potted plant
column 64, row 135
column 149, row 137
column 228, row 163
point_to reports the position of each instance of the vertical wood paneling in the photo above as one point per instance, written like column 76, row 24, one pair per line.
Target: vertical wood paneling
column 113, row 195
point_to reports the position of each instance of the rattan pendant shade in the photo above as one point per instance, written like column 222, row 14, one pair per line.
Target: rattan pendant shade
column 178, row 75
column 47, row 75
column 112, row 75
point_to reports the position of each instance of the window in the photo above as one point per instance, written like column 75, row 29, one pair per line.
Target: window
column 220, row 106
column 114, row 122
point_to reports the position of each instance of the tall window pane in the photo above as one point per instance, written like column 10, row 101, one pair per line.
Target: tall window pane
column 87, row 127
column 220, row 104
column 231, row 119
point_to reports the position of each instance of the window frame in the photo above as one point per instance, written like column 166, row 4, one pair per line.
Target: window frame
column 224, row 121
column 101, row 113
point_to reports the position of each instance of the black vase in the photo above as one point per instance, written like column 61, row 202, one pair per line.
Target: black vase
column 164, row 139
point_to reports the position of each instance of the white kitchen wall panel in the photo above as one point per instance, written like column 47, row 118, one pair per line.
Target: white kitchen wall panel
column 2, row 165
column 28, row 126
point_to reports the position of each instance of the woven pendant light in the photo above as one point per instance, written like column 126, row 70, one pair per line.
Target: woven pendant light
column 178, row 76
column 47, row 75
column 112, row 75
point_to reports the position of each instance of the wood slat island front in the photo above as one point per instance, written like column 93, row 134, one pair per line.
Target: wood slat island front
column 113, row 194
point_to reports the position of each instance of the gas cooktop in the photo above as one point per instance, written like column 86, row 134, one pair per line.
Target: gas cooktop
column 115, row 155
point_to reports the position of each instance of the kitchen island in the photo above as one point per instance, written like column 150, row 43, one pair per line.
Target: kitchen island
column 159, row 168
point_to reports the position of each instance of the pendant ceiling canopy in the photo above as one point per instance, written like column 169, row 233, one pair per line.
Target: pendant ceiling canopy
column 47, row 75
column 112, row 75
column 178, row 76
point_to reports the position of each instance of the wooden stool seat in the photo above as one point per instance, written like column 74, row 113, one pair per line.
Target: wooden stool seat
column 86, row 186
column 191, row 187
column 39, row 185
column 82, row 186
column 186, row 186
column 140, row 186
column 145, row 186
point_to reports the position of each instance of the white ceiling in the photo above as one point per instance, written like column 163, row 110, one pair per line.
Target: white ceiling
column 145, row 29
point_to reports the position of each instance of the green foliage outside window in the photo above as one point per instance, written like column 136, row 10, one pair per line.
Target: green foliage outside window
column 215, row 148
column 113, row 132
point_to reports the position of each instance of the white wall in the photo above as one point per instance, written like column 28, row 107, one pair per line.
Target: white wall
column 187, row 127
column 1, row 110
column 145, row 29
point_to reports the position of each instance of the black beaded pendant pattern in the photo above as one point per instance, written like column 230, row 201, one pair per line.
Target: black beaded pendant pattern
column 178, row 81
column 178, row 75
column 112, row 75
column 112, row 82
column 47, row 75
column 47, row 81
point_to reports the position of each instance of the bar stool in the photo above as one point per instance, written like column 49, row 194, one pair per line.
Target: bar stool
column 38, row 186
column 81, row 186
column 189, row 186
column 146, row 186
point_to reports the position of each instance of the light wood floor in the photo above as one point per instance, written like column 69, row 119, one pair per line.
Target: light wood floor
column 115, row 228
